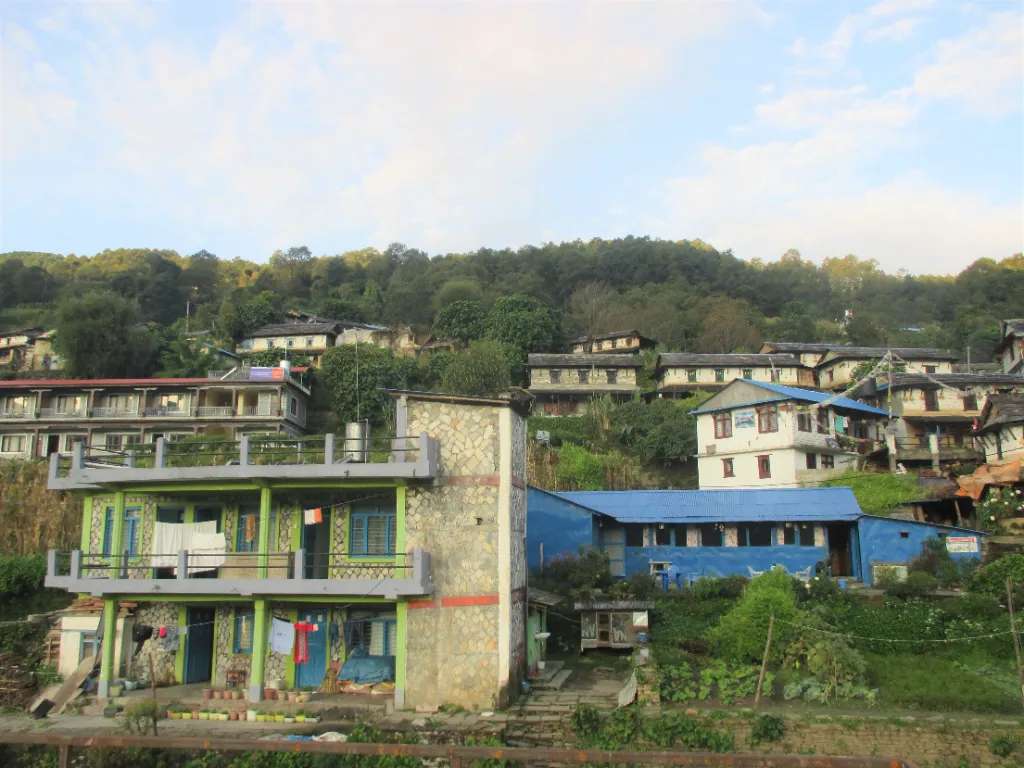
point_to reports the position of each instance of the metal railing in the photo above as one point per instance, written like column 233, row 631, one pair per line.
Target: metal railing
column 167, row 411
column 455, row 755
column 17, row 413
column 948, row 442
column 63, row 413
column 106, row 411
column 214, row 410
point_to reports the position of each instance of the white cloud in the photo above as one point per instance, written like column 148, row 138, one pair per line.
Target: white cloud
column 982, row 69
column 896, row 32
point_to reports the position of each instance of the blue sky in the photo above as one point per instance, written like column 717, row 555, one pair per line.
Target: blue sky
column 892, row 130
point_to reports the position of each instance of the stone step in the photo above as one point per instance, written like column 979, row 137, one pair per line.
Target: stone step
column 554, row 683
column 551, row 668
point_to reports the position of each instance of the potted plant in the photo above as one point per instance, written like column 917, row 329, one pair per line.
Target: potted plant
column 300, row 716
column 250, row 715
column 207, row 693
column 194, row 714
column 279, row 717
column 261, row 717
column 270, row 694
column 204, row 715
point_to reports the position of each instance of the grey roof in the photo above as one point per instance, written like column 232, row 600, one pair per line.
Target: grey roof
column 698, row 359
column 1000, row 410
column 296, row 328
column 610, row 335
column 582, row 361
column 915, row 353
column 904, row 380
column 801, row 346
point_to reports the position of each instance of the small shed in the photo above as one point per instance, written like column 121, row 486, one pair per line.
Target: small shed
column 613, row 623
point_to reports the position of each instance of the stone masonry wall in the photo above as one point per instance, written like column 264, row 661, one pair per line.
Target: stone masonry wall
column 452, row 648
column 156, row 615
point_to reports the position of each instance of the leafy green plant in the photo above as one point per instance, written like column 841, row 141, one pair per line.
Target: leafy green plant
column 730, row 682
column 836, row 667
column 742, row 631
column 586, row 720
column 142, row 716
column 991, row 578
column 917, row 584
column 1003, row 745
column 998, row 505
column 674, row 729
column 767, row 728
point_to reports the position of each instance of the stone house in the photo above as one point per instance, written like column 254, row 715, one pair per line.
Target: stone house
column 1000, row 427
column 679, row 373
column 809, row 353
column 759, row 434
column 1010, row 352
column 28, row 349
column 563, row 384
column 611, row 343
column 312, row 336
column 836, row 369
column 397, row 560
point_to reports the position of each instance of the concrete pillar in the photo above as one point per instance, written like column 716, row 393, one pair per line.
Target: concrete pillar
column 107, row 646
column 259, row 650
column 890, row 444
column 264, row 532
column 402, row 635
column 933, row 448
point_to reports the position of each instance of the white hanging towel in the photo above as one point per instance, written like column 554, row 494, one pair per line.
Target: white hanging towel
column 171, row 538
column 206, row 552
column 282, row 636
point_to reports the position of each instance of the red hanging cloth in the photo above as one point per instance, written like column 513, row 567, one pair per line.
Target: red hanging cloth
column 302, row 630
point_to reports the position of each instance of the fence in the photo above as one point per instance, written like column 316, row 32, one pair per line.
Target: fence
column 456, row 756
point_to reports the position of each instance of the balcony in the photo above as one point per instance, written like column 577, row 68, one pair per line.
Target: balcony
column 114, row 412
column 17, row 413
column 215, row 411
column 950, row 448
column 62, row 413
column 248, row 460
column 242, row 574
column 168, row 411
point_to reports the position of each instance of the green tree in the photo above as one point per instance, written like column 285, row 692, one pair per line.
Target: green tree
column 457, row 289
column 524, row 324
column 461, row 321
column 181, row 356
column 483, row 369
column 864, row 331
column 795, row 324
column 241, row 314
column 356, row 375
column 99, row 335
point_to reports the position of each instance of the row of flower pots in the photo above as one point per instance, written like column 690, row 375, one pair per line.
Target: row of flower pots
column 250, row 715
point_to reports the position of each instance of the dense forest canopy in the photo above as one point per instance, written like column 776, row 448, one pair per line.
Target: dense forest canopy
column 685, row 294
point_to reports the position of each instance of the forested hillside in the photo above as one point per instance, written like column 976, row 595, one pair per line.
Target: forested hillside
column 686, row 294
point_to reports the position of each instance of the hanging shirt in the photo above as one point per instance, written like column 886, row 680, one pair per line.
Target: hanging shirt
column 302, row 630
column 282, row 636
column 313, row 516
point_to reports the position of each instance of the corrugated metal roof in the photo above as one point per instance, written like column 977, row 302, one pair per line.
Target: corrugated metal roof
column 722, row 505
column 903, row 380
column 912, row 353
column 796, row 393
column 779, row 360
column 582, row 361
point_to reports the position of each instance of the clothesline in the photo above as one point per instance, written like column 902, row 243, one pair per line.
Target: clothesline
column 833, row 633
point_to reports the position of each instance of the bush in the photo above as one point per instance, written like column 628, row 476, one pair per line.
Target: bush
column 991, row 579
column 936, row 560
column 1002, row 745
column 917, row 584
column 706, row 588
column 767, row 728
column 581, row 574
column 741, row 633
column 21, row 575
column 830, row 660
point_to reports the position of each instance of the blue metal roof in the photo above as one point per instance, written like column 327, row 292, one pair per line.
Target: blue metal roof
column 741, row 505
column 795, row 393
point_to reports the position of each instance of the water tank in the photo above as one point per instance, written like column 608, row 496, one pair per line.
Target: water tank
column 357, row 441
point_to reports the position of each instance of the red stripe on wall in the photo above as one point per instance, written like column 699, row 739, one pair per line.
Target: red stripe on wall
column 467, row 600
column 414, row 604
column 493, row 480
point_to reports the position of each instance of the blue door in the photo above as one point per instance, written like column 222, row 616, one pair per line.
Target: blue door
column 198, row 645
column 310, row 673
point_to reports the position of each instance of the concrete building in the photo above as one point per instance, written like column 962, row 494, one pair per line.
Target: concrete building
column 28, row 349
column 760, row 434
column 312, row 336
column 678, row 537
column 835, row 371
column 611, row 343
column 399, row 561
column 679, row 373
column 564, row 384
column 1000, row 428
column 1010, row 352
column 43, row 416
column 933, row 416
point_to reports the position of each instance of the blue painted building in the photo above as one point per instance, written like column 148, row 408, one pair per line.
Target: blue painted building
column 681, row 536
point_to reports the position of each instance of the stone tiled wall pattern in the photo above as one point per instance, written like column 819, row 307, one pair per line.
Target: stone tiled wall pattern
column 156, row 615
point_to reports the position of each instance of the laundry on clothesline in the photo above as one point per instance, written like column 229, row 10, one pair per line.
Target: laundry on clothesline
column 171, row 538
column 282, row 636
column 313, row 516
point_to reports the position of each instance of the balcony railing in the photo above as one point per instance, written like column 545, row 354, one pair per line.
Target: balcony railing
column 62, row 413
column 168, row 410
column 16, row 413
column 323, row 457
column 241, row 573
column 218, row 411
column 107, row 412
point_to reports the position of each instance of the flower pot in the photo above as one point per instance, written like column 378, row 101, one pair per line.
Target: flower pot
column 300, row 718
column 237, row 695
column 261, row 718
column 204, row 715
column 288, row 719
column 194, row 715
column 174, row 715
column 270, row 694
column 207, row 693
column 250, row 715
column 278, row 718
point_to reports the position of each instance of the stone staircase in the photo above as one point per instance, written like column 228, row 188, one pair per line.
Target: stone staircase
column 552, row 678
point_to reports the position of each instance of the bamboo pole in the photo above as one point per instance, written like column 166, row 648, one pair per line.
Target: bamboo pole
column 1016, row 636
column 764, row 661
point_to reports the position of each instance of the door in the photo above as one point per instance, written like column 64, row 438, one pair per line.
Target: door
column 316, row 541
column 52, row 444
column 310, row 673
column 198, row 644
column 614, row 545
column 839, row 549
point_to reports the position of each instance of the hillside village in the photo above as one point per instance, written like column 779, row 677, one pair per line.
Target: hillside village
column 323, row 510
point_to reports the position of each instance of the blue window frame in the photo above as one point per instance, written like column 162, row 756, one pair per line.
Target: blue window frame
column 754, row 534
column 243, row 542
column 371, row 532
column 243, row 630
column 131, row 530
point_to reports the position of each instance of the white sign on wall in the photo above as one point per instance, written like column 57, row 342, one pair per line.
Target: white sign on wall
column 961, row 543
column 743, row 419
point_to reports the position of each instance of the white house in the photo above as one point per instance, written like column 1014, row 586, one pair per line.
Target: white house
column 755, row 434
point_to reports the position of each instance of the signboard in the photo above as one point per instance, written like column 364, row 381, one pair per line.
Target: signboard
column 961, row 543
column 743, row 419
column 266, row 374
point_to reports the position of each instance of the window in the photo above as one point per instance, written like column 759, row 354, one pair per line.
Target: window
column 309, row 341
column 723, row 425
column 768, row 419
column 764, row 466
column 120, row 442
column 678, row 535
column 12, row 444
column 375, row 637
column 831, row 377
column 290, row 342
column 798, row 534
column 710, row 535
column 372, row 532
column 748, row 373
column 556, row 375
column 247, row 536
column 293, row 405
column 584, row 375
column 803, row 422
column 929, row 369
column 662, row 535
column 634, row 535
column 88, row 645
column 130, row 532
column 821, row 416
column 243, row 630
column 931, row 400
column 812, row 460
column 754, row 534
column 728, row 470
column 613, row 376
column 828, row 461
column 970, row 402
column 719, row 374
column 691, row 374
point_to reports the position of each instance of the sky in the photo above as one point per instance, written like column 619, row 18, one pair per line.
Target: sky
column 892, row 130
